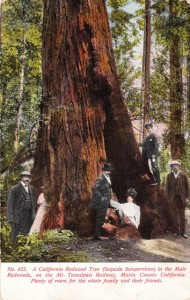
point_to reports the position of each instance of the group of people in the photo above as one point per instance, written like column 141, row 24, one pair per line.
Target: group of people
column 176, row 189
column 21, row 208
column 177, row 185
column 22, row 201
column 177, row 192
column 102, row 200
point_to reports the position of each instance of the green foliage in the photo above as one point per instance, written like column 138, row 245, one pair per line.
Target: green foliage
column 126, row 37
column 20, row 51
column 187, row 157
column 21, row 43
column 116, row 3
column 166, row 28
column 132, row 97
column 164, row 159
column 57, row 235
column 73, row 257
column 38, row 248
column 159, row 108
column 7, row 180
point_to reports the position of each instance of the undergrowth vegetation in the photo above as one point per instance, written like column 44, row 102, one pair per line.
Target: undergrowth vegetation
column 47, row 247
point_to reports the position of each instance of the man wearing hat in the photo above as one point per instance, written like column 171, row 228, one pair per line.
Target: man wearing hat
column 21, row 206
column 101, row 200
column 150, row 152
column 177, row 192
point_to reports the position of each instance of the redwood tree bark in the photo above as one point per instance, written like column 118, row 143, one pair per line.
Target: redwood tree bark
column 83, row 114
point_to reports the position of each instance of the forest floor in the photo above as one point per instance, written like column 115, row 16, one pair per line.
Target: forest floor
column 165, row 248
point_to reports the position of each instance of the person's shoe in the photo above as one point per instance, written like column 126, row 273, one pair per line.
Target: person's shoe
column 100, row 238
column 184, row 235
column 175, row 234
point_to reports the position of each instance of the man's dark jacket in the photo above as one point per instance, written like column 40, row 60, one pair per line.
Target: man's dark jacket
column 16, row 202
column 150, row 146
column 100, row 192
column 182, row 184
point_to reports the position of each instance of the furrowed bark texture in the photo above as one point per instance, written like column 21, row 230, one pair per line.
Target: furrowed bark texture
column 83, row 114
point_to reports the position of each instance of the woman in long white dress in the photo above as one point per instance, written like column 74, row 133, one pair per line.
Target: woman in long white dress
column 43, row 205
column 130, row 209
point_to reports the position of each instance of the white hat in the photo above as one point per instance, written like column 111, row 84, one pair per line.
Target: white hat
column 174, row 162
column 25, row 173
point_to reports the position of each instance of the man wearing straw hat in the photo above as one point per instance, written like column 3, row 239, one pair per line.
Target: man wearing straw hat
column 177, row 192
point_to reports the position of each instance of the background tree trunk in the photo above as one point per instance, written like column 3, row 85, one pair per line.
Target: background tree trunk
column 176, row 89
column 188, row 89
column 21, row 82
column 83, row 114
column 20, row 98
column 146, row 65
column 1, row 14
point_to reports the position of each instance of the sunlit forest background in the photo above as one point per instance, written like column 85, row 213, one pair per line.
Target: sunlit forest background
column 151, row 46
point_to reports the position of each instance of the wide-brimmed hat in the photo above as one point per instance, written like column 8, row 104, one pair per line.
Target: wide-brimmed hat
column 174, row 162
column 25, row 173
column 148, row 125
column 107, row 167
column 131, row 192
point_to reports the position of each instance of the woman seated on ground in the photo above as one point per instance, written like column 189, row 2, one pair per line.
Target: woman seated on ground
column 130, row 209
column 130, row 213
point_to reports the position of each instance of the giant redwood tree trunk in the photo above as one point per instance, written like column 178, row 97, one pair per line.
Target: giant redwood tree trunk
column 83, row 113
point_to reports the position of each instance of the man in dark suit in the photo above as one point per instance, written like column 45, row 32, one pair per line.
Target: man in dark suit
column 101, row 196
column 178, row 194
column 150, row 151
column 21, row 207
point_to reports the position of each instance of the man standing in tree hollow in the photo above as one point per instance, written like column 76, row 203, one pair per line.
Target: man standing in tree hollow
column 178, row 193
column 150, row 153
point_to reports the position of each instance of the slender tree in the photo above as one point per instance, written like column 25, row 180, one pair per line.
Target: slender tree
column 0, row 23
column 146, row 99
column 188, row 89
column 171, row 30
column 20, row 91
column 176, row 86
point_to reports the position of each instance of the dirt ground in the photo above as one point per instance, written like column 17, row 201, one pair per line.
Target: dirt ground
column 166, row 248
